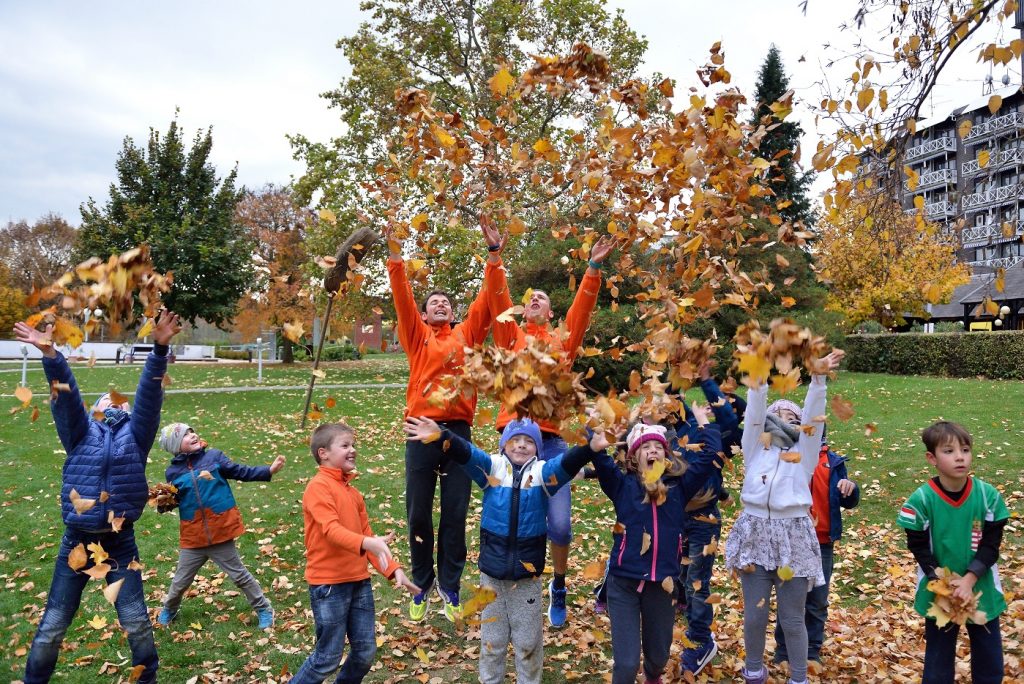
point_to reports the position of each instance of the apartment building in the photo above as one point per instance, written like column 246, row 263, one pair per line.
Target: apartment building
column 973, row 184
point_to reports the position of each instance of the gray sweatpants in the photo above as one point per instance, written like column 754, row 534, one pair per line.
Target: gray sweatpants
column 225, row 555
column 791, row 597
column 514, row 616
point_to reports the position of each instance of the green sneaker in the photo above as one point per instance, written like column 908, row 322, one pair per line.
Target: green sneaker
column 452, row 609
column 418, row 605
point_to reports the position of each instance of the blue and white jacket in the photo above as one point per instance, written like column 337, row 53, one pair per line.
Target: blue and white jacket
column 513, row 527
column 106, row 458
column 637, row 516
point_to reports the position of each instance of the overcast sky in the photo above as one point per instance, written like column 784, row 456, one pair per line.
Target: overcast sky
column 77, row 77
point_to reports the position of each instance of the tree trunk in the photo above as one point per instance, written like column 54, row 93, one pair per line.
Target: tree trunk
column 286, row 351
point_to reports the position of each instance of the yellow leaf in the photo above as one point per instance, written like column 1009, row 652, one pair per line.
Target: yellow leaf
column 529, row 567
column 713, row 599
column 1000, row 281
column 78, row 558
column 443, row 136
column 24, row 395
column 516, row 226
column 146, row 329
column 422, row 655
column 98, row 554
column 81, row 505
column 293, row 331
column 328, row 215
column 414, row 265
column 788, row 302
column 432, row 437
column 319, row 373
column 790, row 456
column 98, row 571
column 783, row 384
column 994, row 103
column 760, row 163
column 755, row 366
column 542, row 146
column 964, row 128
column 111, row 591
column 786, row 573
column 509, row 314
column 668, row 585
column 911, row 126
column 654, row 472
column 594, row 571
column 864, row 98
column 419, row 222
column 97, row 622
column 501, row 82
column 645, row 543
column 983, row 157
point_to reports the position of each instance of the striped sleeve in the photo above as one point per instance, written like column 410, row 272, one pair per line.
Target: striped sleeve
column 911, row 515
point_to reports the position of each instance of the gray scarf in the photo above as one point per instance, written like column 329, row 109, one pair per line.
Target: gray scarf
column 783, row 434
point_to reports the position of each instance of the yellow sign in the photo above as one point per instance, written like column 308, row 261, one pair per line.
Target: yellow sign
column 981, row 325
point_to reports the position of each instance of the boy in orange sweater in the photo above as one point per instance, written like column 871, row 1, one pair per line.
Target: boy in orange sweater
column 339, row 543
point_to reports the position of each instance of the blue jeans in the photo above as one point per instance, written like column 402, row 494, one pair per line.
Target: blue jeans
column 698, row 613
column 816, row 613
column 65, row 596
column 559, row 505
column 940, row 652
column 340, row 611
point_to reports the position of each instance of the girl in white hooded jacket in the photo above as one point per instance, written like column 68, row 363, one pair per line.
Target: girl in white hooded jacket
column 772, row 543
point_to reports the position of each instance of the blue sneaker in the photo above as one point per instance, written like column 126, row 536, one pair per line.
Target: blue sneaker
column 266, row 617
column 696, row 659
column 452, row 609
column 556, row 606
column 166, row 616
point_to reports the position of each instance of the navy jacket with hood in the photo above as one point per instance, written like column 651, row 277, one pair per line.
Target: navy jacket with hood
column 106, row 458
column 636, row 516
column 836, row 501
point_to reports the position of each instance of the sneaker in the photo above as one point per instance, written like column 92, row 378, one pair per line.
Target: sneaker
column 418, row 605
column 556, row 606
column 166, row 616
column 266, row 617
column 452, row 609
column 600, row 607
column 696, row 659
column 761, row 678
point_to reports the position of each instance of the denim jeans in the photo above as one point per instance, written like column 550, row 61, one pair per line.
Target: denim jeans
column 816, row 613
column 340, row 611
column 698, row 613
column 424, row 463
column 559, row 505
column 66, row 595
column 940, row 652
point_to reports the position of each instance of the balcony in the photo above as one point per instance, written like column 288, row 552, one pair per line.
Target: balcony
column 1006, row 122
column 930, row 148
column 974, row 236
column 1002, row 195
column 933, row 178
column 1000, row 262
column 935, row 210
column 995, row 161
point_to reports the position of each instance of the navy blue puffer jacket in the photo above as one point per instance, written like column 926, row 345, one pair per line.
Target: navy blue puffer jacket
column 106, row 458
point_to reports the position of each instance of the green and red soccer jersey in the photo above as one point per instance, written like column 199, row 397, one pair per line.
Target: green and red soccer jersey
column 955, row 530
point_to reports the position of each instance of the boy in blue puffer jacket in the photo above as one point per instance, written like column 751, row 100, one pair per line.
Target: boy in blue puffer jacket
column 831, row 491
column 103, row 493
column 210, row 521
column 647, row 544
column 513, row 535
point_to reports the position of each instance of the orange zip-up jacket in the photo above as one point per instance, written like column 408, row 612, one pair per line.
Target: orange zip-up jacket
column 336, row 524
column 577, row 320
column 437, row 351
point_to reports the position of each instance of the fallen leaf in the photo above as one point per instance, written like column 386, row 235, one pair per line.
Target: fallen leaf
column 78, row 558
column 111, row 591
column 81, row 505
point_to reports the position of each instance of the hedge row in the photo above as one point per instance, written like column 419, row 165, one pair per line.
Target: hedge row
column 995, row 355
column 232, row 354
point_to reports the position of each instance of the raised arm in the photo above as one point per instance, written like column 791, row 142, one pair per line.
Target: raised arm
column 753, row 419
column 814, row 407
column 411, row 328
column 69, row 416
column 701, row 468
column 480, row 315
column 149, row 396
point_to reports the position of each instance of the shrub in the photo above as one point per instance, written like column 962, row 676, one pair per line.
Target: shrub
column 232, row 354
column 995, row 355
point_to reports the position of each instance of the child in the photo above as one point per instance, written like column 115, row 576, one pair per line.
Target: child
column 831, row 491
column 646, row 553
column 956, row 521
column 210, row 521
column 773, row 543
column 338, row 545
column 106, row 463
column 702, row 526
column 513, row 535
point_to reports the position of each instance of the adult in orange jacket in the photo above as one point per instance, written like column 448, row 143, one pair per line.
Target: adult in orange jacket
column 568, row 337
column 434, row 346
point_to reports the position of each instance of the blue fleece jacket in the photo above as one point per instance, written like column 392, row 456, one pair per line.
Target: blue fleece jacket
column 106, row 458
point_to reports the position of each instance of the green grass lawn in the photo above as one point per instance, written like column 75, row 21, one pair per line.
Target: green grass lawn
column 874, row 637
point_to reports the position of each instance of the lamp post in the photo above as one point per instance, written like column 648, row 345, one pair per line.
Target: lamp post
column 24, row 366
column 259, row 360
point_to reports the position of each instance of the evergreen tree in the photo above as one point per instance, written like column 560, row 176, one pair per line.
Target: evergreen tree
column 772, row 83
column 171, row 199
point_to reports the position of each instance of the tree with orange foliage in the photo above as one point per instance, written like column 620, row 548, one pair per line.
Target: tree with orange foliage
column 282, row 292
column 883, row 264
